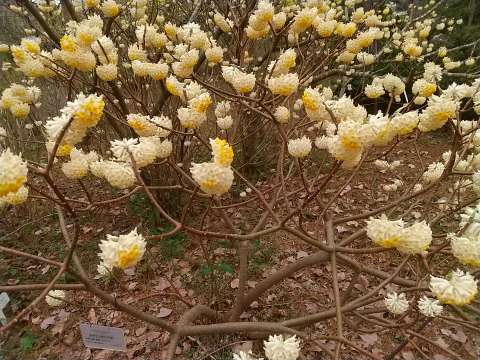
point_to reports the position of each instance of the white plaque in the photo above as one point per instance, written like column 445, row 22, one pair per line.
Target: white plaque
column 103, row 337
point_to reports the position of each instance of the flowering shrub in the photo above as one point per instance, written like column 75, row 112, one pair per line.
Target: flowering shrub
column 207, row 106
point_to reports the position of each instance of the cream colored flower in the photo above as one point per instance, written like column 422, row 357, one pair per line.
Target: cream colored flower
column 13, row 172
column 397, row 304
column 282, row 114
column 107, row 72
column 429, row 307
column 15, row 198
column 459, row 288
column 434, row 172
column 222, row 152
column 110, row 8
column 225, row 123
column 299, row 148
column 119, row 175
column 212, row 178
column 384, row 232
column 123, row 251
column 284, row 85
column 466, row 248
column 278, row 347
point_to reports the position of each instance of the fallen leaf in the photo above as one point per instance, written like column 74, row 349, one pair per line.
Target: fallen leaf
column 234, row 284
column 459, row 336
column 140, row 331
column 440, row 357
column 301, row 254
column 164, row 312
column 369, row 339
column 408, row 355
column 92, row 317
column 162, row 284
column 47, row 322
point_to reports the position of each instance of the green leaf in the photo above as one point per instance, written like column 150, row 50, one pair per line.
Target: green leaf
column 27, row 341
column 225, row 267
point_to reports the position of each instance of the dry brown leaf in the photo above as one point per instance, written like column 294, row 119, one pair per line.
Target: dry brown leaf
column 164, row 312
column 369, row 339
column 234, row 284
column 408, row 355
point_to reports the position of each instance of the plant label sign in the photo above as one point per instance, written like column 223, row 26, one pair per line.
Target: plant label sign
column 103, row 337
column 4, row 299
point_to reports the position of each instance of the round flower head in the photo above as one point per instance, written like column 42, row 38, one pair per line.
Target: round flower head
column 142, row 124
column 189, row 118
column 213, row 179
column 437, row 113
column 55, row 297
column 224, row 24
column 107, row 72
column 397, row 304
column 75, row 169
column 119, row 175
column 384, row 232
column 243, row 83
column 282, row 114
column 15, row 198
column 110, row 8
column 13, row 172
column 89, row 109
column 214, row 55
column 123, row 251
column 405, row 123
column 225, row 123
column 459, row 288
column 466, row 249
column 299, row 148
column 415, row 239
column 429, row 307
column 280, row 348
column 200, row 103
column 222, row 152
column 283, row 84
column 174, row 86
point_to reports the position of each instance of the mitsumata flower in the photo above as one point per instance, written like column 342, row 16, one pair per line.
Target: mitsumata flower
column 123, row 251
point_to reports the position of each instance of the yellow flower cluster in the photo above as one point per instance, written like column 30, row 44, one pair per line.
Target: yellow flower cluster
column 414, row 239
column 459, row 288
column 31, row 61
column 75, row 118
column 216, row 177
column 83, row 37
column 13, row 174
column 123, row 251
column 17, row 98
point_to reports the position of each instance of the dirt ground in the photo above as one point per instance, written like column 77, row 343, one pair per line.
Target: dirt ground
column 174, row 276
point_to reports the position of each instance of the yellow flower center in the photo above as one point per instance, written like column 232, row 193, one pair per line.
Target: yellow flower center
column 67, row 43
column 128, row 258
column 225, row 153
column 350, row 143
column 136, row 124
column 389, row 242
column 90, row 112
column 203, row 105
column 18, row 54
column 309, row 102
column 441, row 116
column 11, row 187
column 64, row 150
column 428, row 90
